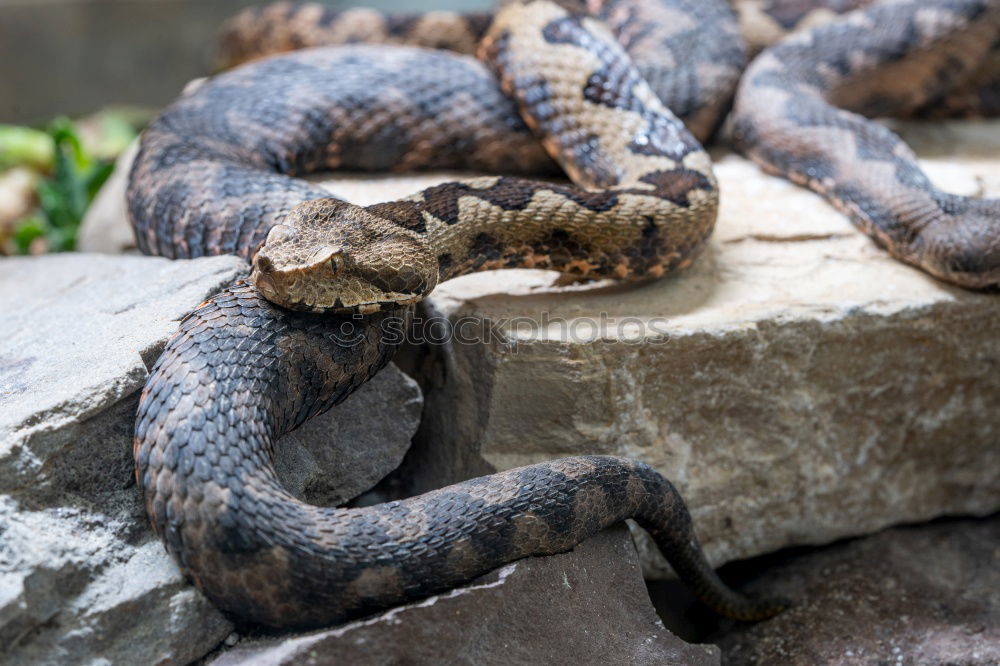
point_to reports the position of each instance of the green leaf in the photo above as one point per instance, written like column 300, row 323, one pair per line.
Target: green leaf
column 75, row 177
column 68, row 143
column 28, row 230
column 61, row 239
column 23, row 146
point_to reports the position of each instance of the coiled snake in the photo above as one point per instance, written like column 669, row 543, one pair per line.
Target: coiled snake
column 216, row 173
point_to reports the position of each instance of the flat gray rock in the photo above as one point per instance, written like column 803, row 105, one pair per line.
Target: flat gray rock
column 586, row 606
column 75, row 587
column 78, row 562
column 79, row 338
column 911, row 595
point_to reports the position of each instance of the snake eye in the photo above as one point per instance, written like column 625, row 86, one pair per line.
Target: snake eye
column 335, row 264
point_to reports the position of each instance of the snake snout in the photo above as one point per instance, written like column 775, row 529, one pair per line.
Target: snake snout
column 262, row 263
column 261, row 277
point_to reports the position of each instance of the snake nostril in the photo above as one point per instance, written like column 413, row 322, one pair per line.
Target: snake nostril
column 266, row 286
column 263, row 263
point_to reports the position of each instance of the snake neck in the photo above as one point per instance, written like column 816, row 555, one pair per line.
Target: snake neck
column 505, row 222
column 643, row 197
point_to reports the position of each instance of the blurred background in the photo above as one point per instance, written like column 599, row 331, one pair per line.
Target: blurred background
column 76, row 56
column 78, row 81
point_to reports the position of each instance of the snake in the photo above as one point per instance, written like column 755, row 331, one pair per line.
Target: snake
column 615, row 94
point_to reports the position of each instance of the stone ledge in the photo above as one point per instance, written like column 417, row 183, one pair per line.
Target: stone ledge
column 78, row 562
column 924, row 594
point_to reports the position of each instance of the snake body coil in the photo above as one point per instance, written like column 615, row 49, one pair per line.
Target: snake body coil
column 217, row 174
column 214, row 175
column 801, row 113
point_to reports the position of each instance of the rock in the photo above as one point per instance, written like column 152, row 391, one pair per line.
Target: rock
column 73, row 587
column 78, row 340
column 372, row 433
column 585, row 606
column 78, row 562
column 105, row 228
column 797, row 384
column 913, row 595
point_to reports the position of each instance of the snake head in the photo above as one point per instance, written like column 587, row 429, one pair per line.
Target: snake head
column 332, row 256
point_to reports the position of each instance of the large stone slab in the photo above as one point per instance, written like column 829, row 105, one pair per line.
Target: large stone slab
column 798, row 385
column 80, row 332
column 581, row 607
column 77, row 587
column 78, row 563
column 913, row 595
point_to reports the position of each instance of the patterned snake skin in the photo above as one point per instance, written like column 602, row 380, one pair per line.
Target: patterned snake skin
column 214, row 175
column 801, row 113
column 642, row 203
column 217, row 172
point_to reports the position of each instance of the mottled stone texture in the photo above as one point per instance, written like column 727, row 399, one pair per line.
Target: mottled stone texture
column 912, row 595
column 582, row 607
column 82, row 578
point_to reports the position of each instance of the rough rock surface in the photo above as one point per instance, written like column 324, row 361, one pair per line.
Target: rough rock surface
column 78, row 563
column 912, row 595
column 105, row 227
column 798, row 384
column 582, row 607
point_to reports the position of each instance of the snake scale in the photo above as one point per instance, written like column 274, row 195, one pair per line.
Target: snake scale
column 218, row 173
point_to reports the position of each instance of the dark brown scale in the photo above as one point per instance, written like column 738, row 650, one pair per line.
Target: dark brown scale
column 800, row 112
column 790, row 13
column 215, row 172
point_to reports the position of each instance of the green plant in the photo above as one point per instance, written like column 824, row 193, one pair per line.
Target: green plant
column 24, row 146
column 63, row 197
